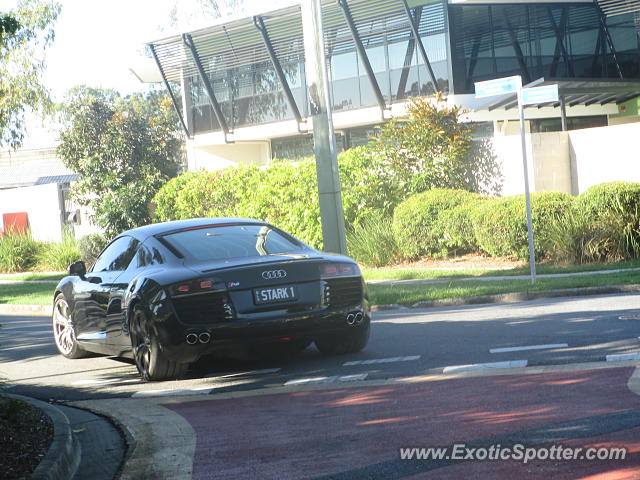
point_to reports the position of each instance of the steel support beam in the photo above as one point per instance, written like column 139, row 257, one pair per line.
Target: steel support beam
column 421, row 49
column 474, row 58
column 188, row 41
column 560, row 46
column 170, row 90
column 259, row 23
column 404, row 76
column 612, row 48
column 563, row 114
column 362, row 52
column 516, row 47
column 596, row 99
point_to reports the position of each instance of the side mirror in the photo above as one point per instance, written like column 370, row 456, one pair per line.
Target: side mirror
column 78, row 269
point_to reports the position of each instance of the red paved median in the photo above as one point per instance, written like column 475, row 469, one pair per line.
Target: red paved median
column 312, row 433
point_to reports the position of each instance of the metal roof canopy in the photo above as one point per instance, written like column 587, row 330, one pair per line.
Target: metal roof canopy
column 576, row 92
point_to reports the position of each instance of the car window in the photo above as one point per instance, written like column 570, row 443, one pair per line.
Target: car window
column 117, row 255
column 231, row 241
column 147, row 256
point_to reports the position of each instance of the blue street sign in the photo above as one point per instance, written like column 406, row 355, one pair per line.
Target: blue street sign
column 499, row 86
column 546, row 94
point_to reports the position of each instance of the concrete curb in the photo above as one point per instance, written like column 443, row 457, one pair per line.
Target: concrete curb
column 513, row 297
column 63, row 457
column 29, row 310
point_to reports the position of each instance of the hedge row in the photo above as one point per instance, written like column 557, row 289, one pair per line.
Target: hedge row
column 285, row 194
column 601, row 224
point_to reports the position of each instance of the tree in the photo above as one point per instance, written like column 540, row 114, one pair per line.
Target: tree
column 25, row 34
column 432, row 148
column 125, row 149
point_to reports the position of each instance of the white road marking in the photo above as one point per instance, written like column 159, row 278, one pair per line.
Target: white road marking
column 167, row 393
column 528, row 347
column 353, row 378
column 623, row 356
column 264, row 371
column 485, row 366
column 104, row 381
column 381, row 360
column 335, row 378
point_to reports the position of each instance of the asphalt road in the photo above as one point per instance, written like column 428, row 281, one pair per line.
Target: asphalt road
column 403, row 343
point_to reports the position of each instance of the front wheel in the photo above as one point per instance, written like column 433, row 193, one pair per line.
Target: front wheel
column 63, row 332
column 151, row 362
column 349, row 342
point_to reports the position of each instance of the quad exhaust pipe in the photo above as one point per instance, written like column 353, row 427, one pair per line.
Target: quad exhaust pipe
column 354, row 318
column 193, row 338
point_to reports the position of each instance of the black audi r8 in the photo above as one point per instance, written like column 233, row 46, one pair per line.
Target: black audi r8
column 167, row 294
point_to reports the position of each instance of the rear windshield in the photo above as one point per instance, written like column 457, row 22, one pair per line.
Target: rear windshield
column 232, row 241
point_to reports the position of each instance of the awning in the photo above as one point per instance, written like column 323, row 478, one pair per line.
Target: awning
column 572, row 93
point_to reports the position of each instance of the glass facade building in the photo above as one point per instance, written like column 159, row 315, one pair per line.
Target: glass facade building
column 244, row 61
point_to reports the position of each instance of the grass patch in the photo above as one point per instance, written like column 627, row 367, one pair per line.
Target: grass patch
column 418, row 273
column 410, row 294
column 27, row 294
column 54, row 276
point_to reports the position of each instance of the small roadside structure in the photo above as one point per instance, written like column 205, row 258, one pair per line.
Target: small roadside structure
column 34, row 195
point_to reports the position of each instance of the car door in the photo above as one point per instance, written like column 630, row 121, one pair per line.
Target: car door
column 99, row 289
column 147, row 256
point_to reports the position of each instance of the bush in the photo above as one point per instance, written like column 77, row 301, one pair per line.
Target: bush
column 615, row 207
column 373, row 243
column 417, row 223
column 285, row 194
column 58, row 256
column 18, row 252
column 500, row 224
column 577, row 237
column 90, row 247
column 457, row 226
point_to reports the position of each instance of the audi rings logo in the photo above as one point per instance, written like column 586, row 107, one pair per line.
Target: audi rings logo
column 273, row 274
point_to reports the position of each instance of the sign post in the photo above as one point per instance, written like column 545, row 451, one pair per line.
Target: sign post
column 527, row 195
column 526, row 96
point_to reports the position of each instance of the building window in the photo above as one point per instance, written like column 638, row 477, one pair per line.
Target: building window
column 539, row 40
column 544, row 125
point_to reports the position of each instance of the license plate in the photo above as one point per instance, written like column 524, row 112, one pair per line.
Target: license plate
column 285, row 293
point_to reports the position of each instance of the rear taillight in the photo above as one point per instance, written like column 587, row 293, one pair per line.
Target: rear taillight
column 195, row 286
column 330, row 270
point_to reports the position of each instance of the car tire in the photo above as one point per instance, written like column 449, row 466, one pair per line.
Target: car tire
column 152, row 364
column 64, row 334
column 349, row 342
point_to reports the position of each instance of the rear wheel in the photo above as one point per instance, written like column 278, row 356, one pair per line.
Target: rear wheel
column 63, row 332
column 349, row 342
column 151, row 362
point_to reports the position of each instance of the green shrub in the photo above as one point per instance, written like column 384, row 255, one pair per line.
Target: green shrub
column 416, row 221
column 57, row 256
column 285, row 194
column 500, row 224
column 614, row 204
column 90, row 247
column 372, row 243
column 577, row 237
column 18, row 252
column 607, row 196
column 457, row 226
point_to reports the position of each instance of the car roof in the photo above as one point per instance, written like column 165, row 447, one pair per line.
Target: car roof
column 147, row 231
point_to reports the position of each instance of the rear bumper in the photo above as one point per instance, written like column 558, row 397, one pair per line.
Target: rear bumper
column 248, row 331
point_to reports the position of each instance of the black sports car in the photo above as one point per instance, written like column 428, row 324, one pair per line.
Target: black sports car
column 167, row 294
